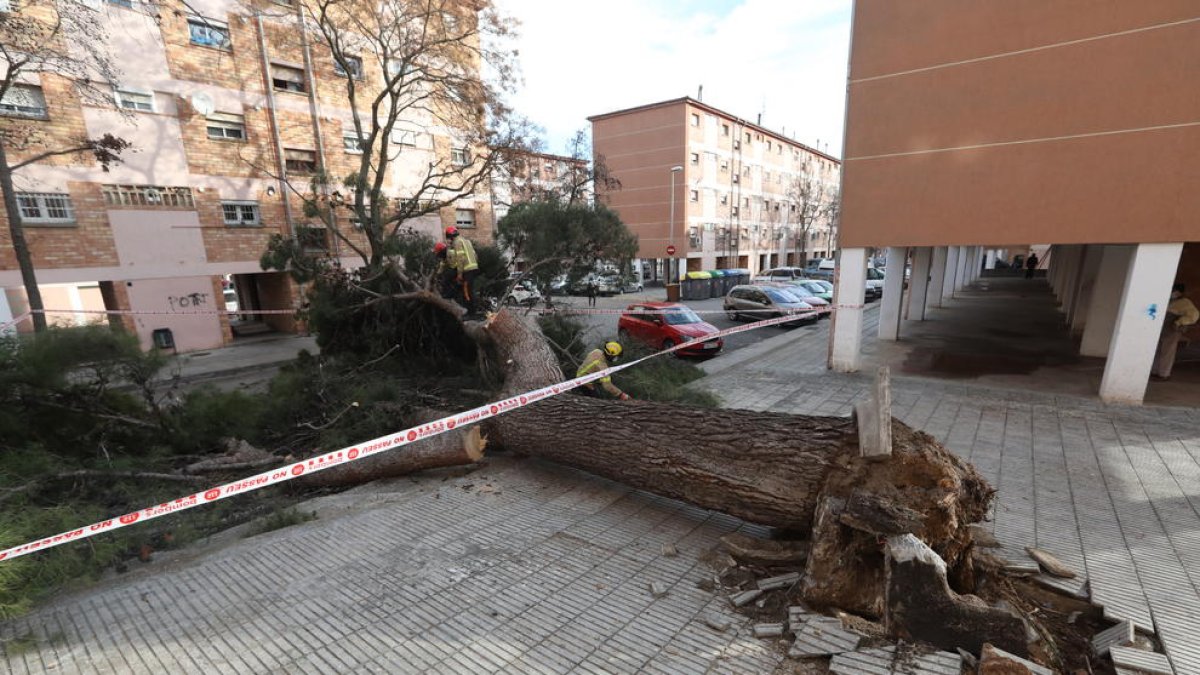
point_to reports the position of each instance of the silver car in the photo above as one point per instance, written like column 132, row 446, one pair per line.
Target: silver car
column 755, row 302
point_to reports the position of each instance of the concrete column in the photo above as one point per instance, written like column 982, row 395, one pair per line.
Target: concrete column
column 1087, row 284
column 937, row 277
column 960, row 270
column 1151, row 271
column 893, row 293
column 976, row 263
column 990, row 263
column 951, row 273
column 1104, row 300
column 918, row 286
column 1070, row 276
column 849, row 293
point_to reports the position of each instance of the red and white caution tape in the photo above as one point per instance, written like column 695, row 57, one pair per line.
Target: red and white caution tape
column 359, row 451
column 15, row 322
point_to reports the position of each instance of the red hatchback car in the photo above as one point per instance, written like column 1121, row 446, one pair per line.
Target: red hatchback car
column 677, row 325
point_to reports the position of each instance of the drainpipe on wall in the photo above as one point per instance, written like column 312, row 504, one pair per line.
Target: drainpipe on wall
column 275, row 138
column 314, row 110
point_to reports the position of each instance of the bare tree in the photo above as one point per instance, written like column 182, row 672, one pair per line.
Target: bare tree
column 812, row 199
column 406, row 63
column 58, row 44
column 578, row 177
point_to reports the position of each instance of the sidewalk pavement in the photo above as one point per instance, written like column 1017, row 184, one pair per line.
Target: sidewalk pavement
column 1112, row 491
column 245, row 354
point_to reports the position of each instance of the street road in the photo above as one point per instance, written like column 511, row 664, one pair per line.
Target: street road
column 604, row 327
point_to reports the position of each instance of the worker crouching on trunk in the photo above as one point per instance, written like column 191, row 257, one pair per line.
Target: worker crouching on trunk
column 600, row 359
column 462, row 258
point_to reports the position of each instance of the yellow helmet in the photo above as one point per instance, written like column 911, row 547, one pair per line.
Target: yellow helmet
column 612, row 348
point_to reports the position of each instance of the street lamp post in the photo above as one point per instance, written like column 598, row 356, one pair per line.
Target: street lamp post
column 673, row 276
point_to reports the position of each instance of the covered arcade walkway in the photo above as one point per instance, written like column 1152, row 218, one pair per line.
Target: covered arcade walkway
column 956, row 320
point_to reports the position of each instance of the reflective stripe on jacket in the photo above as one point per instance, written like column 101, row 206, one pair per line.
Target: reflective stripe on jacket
column 464, row 255
column 594, row 362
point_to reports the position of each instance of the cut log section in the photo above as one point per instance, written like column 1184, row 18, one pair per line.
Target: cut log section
column 455, row 448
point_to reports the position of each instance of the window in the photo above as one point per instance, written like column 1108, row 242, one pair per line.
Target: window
column 695, row 158
column 354, row 62
column 351, row 143
column 768, row 146
column 458, row 156
column 464, row 218
column 122, row 3
column 724, row 165
column 300, row 161
column 23, row 100
column 695, row 120
column 724, row 129
column 737, row 178
column 737, row 145
column 226, row 126
column 695, row 195
column 747, row 137
column 734, row 212
column 404, row 137
column 724, row 199
column 208, row 32
column 135, row 100
column 287, row 78
column 766, row 175
column 241, row 214
column 45, row 207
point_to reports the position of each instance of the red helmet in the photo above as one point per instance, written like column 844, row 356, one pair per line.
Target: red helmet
column 451, row 231
column 439, row 247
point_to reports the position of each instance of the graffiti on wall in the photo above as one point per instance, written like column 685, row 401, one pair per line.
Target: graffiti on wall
column 189, row 301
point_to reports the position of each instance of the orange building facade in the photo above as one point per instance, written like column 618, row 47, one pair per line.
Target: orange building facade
column 716, row 187
column 979, row 127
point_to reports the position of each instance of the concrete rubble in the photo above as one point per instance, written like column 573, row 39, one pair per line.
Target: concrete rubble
column 1151, row 663
column 823, row 636
column 1120, row 635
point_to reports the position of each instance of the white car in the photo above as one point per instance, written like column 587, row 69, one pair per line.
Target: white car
column 231, row 300
column 524, row 293
column 874, row 283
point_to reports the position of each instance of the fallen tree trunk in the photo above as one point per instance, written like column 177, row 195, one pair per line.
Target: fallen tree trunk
column 768, row 468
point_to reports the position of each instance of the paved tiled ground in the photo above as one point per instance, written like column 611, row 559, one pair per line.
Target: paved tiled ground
column 521, row 567
column 1112, row 491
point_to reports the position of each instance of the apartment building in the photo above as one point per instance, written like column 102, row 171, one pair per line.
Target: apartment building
column 231, row 109
column 724, row 192
column 534, row 175
column 1066, row 123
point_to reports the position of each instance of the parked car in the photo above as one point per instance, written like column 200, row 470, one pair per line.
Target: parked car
column 604, row 285
column 677, row 324
column 874, row 284
column 758, row 301
column 231, row 300
column 821, row 268
column 558, row 286
column 783, row 273
column 525, row 293
column 627, row 284
column 807, row 290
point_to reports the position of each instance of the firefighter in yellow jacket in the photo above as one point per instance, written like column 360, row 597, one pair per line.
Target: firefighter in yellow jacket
column 598, row 360
column 462, row 258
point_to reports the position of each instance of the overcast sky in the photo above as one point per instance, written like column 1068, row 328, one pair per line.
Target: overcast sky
column 784, row 58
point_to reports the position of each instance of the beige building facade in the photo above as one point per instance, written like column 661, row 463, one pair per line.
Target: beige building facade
column 229, row 114
column 1008, row 122
column 723, row 191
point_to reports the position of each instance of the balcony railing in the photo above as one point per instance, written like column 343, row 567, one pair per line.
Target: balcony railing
column 147, row 195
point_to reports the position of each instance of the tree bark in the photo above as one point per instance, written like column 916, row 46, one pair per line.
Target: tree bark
column 768, row 468
column 20, row 246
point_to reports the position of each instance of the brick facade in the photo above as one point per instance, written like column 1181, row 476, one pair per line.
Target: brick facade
column 172, row 148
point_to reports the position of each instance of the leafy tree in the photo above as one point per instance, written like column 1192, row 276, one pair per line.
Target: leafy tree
column 63, row 43
column 555, row 237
